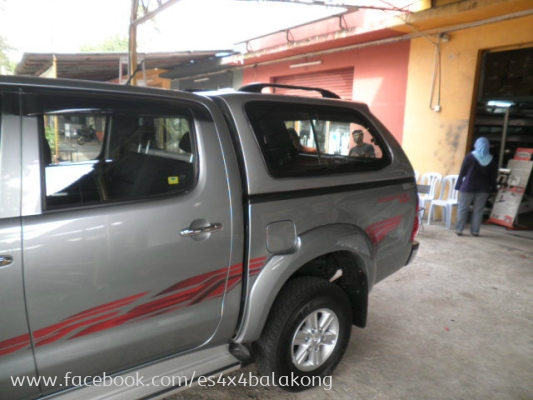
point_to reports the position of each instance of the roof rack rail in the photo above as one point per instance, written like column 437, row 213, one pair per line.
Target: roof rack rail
column 258, row 88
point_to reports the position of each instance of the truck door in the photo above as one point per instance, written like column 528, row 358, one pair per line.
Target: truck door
column 17, row 367
column 127, row 245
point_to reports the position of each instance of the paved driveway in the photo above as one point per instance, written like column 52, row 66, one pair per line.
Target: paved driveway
column 456, row 324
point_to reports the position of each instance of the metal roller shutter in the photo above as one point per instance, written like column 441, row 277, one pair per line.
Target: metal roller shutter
column 338, row 81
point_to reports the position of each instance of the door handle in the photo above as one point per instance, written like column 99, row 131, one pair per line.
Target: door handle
column 215, row 227
column 5, row 260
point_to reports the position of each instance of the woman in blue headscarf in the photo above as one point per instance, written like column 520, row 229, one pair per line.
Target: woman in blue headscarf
column 477, row 180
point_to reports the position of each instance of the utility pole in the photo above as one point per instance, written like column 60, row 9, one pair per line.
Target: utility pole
column 147, row 12
column 132, row 43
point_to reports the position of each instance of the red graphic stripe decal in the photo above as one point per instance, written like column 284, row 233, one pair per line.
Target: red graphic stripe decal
column 14, row 344
column 106, row 307
column 195, row 280
column 378, row 231
column 182, row 294
column 256, row 265
column 42, row 338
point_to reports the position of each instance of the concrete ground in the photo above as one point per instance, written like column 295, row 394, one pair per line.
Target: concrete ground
column 455, row 324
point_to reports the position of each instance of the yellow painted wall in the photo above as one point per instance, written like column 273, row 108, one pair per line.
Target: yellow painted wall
column 437, row 141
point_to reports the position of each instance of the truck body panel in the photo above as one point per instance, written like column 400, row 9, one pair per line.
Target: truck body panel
column 170, row 236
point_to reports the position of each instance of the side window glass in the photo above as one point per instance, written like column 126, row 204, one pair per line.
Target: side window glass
column 150, row 155
column 96, row 155
column 308, row 140
column 73, row 137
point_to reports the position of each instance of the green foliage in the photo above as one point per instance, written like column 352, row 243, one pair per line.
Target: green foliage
column 115, row 43
column 50, row 134
column 5, row 64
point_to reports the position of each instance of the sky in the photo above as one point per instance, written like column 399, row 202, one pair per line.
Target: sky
column 63, row 26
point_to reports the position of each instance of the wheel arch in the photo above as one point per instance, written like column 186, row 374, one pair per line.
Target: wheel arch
column 321, row 252
column 347, row 270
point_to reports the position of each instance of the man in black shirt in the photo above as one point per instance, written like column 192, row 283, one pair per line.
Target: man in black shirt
column 361, row 149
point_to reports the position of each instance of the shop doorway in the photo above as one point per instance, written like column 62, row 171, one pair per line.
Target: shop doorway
column 504, row 108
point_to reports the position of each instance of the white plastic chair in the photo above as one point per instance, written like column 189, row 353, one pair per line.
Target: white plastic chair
column 417, row 176
column 432, row 179
column 422, row 190
column 448, row 198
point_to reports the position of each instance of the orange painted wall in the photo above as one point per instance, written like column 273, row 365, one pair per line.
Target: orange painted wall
column 437, row 141
column 380, row 78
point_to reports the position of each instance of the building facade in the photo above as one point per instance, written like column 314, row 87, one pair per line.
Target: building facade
column 427, row 74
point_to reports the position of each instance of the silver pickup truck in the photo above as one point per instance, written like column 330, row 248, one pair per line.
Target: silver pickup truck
column 191, row 235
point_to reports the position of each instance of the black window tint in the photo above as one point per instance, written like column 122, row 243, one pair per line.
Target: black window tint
column 123, row 151
column 309, row 140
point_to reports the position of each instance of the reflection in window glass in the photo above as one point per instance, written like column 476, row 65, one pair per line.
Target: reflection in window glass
column 310, row 140
column 95, row 156
column 73, row 137
column 169, row 133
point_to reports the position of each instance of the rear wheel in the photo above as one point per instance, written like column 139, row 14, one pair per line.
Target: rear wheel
column 306, row 334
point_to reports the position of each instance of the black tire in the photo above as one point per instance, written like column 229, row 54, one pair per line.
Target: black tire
column 81, row 140
column 296, row 367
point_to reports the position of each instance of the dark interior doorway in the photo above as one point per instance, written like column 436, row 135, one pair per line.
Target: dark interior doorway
column 504, row 109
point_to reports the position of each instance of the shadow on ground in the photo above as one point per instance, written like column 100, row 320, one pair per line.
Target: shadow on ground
column 455, row 324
